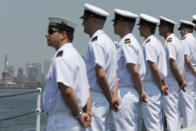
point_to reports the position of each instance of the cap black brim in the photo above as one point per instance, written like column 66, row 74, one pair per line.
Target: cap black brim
column 113, row 20
column 82, row 17
column 139, row 24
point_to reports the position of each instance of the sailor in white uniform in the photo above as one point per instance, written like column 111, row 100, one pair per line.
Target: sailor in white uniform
column 131, row 70
column 194, row 21
column 101, row 67
column 187, row 98
column 66, row 93
column 156, row 72
column 175, row 67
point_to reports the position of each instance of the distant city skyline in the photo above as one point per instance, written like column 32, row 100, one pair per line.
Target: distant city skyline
column 32, row 72
column 24, row 23
column 13, row 69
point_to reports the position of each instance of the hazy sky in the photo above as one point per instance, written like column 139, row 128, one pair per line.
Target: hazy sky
column 23, row 23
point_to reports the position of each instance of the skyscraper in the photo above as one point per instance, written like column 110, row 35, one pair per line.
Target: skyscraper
column 11, row 71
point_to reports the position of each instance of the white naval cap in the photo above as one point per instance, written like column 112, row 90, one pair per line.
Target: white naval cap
column 144, row 18
column 186, row 24
column 194, row 19
column 62, row 23
column 167, row 21
column 124, row 15
column 93, row 11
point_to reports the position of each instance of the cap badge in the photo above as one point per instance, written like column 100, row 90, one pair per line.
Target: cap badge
column 52, row 24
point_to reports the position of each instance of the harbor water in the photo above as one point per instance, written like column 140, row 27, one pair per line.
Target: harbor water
column 13, row 106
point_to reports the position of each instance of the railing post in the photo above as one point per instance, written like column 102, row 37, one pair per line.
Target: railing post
column 38, row 109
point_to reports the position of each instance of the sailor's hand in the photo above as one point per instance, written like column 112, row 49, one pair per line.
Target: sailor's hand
column 115, row 103
column 143, row 97
column 85, row 120
column 183, row 86
column 88, row 119
column 164, row 90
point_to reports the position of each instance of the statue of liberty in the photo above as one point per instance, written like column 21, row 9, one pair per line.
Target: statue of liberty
column 6, row 64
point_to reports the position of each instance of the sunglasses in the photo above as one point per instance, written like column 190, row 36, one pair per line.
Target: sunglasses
column 51, row 31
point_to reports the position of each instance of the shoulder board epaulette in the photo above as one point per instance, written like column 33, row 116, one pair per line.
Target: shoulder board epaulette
column 94, row 39
column 147, row 40
column 127, row 41
column 60, row 53
column 169, row 40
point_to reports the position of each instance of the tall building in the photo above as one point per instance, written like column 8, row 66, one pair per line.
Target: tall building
column 38, row 67
column 26, row 68
column 33, row 76
column 20, row 76
column 11, row 71
column 34, row 72
column 46, row 67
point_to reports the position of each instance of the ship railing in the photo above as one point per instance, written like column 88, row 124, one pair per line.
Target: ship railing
column 38, row 109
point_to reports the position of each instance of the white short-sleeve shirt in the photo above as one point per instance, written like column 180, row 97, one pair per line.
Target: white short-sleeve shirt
column 67, row 67
column 174, row 50
column 154, row 52
column 189, row 42
column 101, row 51
column 129, row 51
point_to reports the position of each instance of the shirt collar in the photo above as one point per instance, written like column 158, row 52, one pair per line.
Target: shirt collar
column 150, row 36
column 66, row 45
column 97, row 33
column 188, row 34
column 169, row 36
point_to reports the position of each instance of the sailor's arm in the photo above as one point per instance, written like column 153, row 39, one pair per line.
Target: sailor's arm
column 103, row 82
column 189, row 64
column 135, row 76
column 115, row 99
column 175, row 71
column 71, row 101
column 87, row 107
column 157, row 77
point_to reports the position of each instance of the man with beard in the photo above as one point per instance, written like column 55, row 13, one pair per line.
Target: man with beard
column 66, row 93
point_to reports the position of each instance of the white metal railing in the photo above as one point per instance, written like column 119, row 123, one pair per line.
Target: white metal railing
column 37, row 110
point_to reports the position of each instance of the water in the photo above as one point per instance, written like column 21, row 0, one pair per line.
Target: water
column 17, row 105
column 13, row 106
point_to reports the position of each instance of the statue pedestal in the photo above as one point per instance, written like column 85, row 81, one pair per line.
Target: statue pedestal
column 7, row 81
column 6, row 76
